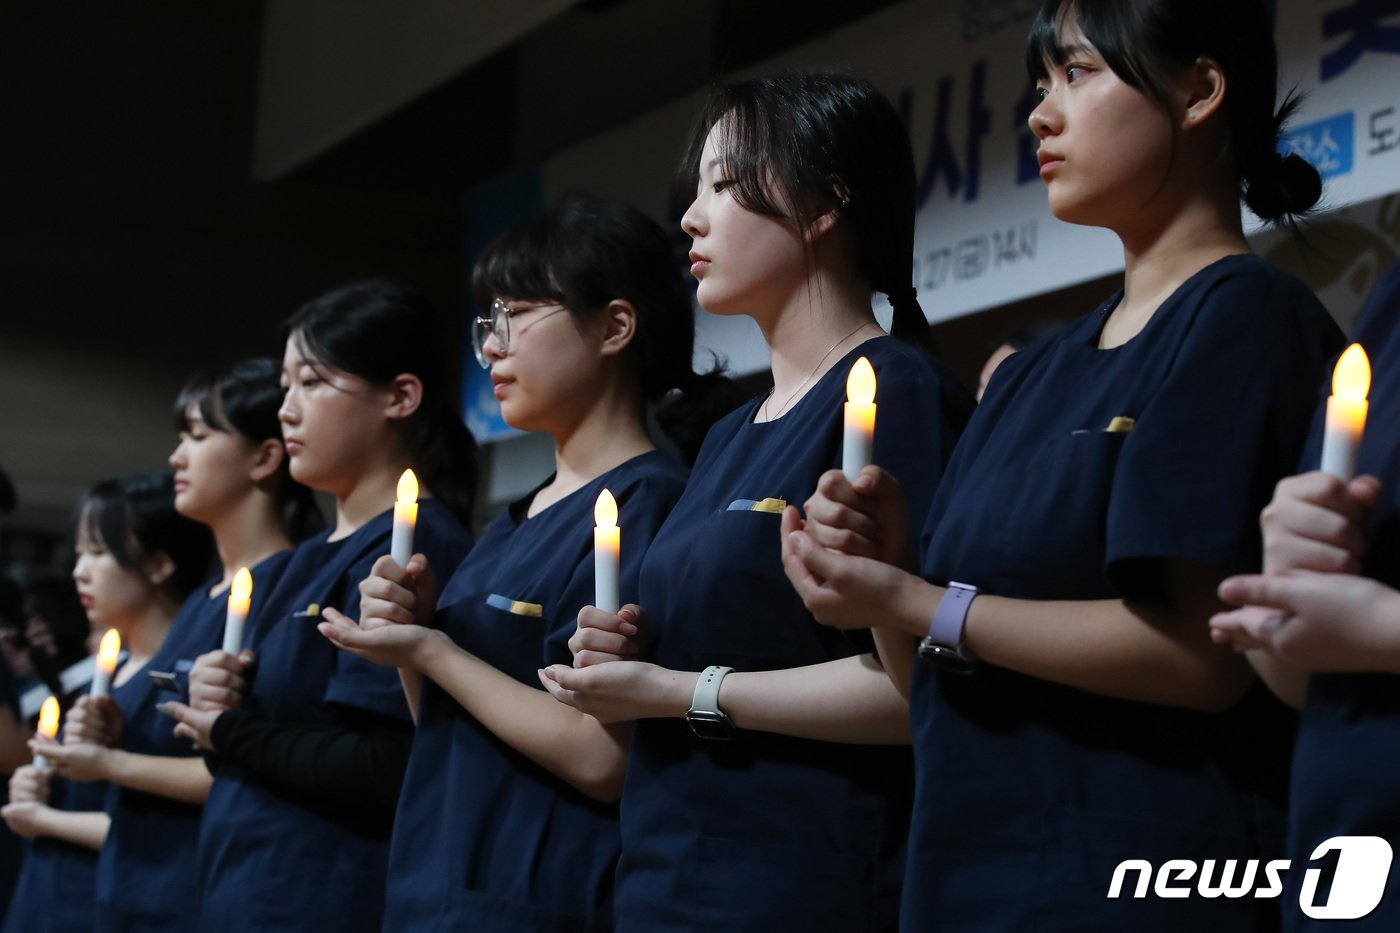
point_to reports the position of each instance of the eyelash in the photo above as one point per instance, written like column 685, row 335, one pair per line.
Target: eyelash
column 721, row 185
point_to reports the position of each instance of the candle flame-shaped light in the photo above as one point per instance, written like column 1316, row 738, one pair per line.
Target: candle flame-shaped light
column 48, row 726
column 405, row 519
column 607, row 554
column 107, row 653
column 1346, row 413
column 859, row 433
column 240, row 595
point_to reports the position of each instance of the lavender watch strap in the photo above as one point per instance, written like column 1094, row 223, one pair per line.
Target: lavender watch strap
column 951, row 614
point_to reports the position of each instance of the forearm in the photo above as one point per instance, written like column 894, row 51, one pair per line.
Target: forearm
column 184, row 779
column 329, row 768
column 87, row 829
column 412, row 681
column 850, row 700
column 570, row 744
column 1100, row 646
column 898, row 651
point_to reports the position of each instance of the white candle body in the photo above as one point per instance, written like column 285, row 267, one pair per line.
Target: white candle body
column 101, row 681
column 401, row 545
column 607, row 560
column 1341, row 437
column 858, row 437
column 40, row 761
column 233, row 627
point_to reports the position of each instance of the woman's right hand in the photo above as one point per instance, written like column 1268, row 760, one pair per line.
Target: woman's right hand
column 398, row 595
column 219, row 680
column 605, row 636
column 1317, row 522
column 93, row 721
column 30, row 785
column 864, row 517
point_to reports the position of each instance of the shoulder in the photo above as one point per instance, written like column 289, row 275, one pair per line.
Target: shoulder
column 439, row 524
column 1377, row 324
column 1246, row 289
column 655, row 473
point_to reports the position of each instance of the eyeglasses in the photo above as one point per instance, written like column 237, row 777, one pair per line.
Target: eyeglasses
column 498, row 325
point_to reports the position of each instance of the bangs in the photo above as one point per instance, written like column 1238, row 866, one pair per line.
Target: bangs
column 202, row 394
column 1120, row 33
column 1045, row 46
column 517, row 266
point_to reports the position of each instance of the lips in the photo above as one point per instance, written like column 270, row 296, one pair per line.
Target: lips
column 293, row 445
column 1049, row 161
column 499, row 384
column 86, row 600
column 698, row 263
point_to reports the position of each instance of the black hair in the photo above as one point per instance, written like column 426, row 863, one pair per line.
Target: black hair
column 133, row 518
column 799, row 144
column 243, row 398
column 378, row 330
column 51, row 597
column 585, row 252
column 1147, row 42
column 8, row 499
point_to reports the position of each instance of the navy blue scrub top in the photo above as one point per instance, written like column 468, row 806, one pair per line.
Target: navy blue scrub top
column 265, row 861
column 58, row 881
column 1030, row 793
column 768, row 832
column 146, row 876
column 1348, row 751
column 485, row 839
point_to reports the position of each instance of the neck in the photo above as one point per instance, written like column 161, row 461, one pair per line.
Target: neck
column 143, row 634
column 1201, row 226
column 374, row 492
column 611, row 432
column 248, row 533
column 811, row 332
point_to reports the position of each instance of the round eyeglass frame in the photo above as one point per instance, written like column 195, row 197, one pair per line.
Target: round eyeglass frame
column 497, row 325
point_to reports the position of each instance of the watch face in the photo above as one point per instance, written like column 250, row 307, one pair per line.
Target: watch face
column 954, row 660
column 708, row 725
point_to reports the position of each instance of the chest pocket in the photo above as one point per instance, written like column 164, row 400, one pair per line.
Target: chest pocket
column 1053, row 536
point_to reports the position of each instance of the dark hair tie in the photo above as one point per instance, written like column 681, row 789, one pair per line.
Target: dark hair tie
column 902, row 296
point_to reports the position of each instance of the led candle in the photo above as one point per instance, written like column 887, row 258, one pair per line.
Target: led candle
column 240, row 594
column 607, row 553
column 48, row 726
column 107, row 654
column 1346, row 413
column 405, row 518
column 860, row 418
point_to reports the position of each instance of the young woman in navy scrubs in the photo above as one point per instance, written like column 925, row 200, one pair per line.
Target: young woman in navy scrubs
column 230, row 474
column 1332, row 563
column 756, row 813
column 1109, row 480
column 310, row 743
column 508, row 817
column 138, row 559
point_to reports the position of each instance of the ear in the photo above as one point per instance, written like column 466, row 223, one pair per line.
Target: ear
column 620, row 326
column 827, row 221
column 159, row 568
column 266, row 460
column 1203, row 92
column 403, row 396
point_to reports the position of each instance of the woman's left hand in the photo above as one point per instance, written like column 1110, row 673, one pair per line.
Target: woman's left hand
column 1313, row 621
column 27, row 819
column 81, row 762
column 621, row 690
column 393, row 644
column 193, row 724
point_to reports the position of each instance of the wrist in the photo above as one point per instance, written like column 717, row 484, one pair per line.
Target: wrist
column 916, row 600
column 427, row 650
column 111, row 765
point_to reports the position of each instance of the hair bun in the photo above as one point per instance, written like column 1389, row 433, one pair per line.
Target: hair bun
column 1291, row 185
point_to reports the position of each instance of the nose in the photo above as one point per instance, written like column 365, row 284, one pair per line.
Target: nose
column 692, row 221
column 1044, row 120
column 80, row 570
column 492, row 348
column 287, row 412
column 177, row 456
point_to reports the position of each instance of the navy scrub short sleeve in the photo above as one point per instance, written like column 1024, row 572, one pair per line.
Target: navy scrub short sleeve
column 524, row 850
column 764, row 830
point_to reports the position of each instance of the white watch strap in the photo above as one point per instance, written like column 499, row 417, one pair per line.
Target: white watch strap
column 706, row 698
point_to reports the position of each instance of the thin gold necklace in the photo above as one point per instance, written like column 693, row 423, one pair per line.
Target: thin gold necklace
column 831, row 349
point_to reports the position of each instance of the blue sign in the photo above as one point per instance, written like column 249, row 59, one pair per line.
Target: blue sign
column 1330, row 145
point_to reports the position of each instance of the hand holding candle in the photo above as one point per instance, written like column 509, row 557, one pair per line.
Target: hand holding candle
column 607, row 554
column 1346, row 413
column 240, row 594
column 107, row 654
column 860, row 419
column 405, row 518
column 48, row 726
